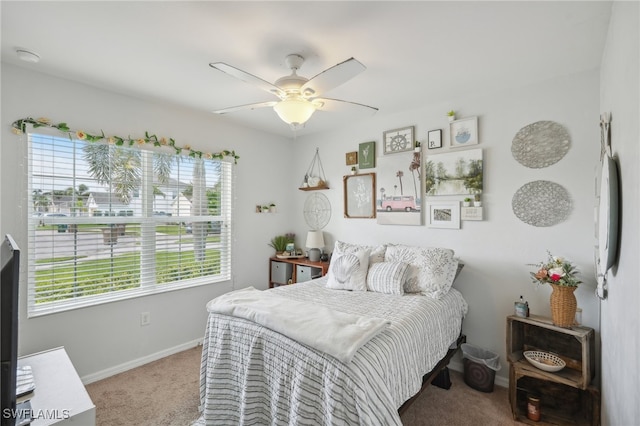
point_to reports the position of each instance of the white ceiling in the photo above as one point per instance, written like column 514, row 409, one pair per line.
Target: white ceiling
column 416, row 53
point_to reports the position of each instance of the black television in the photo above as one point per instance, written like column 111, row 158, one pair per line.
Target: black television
column 9, row 286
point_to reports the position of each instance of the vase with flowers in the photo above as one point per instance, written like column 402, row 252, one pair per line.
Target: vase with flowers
column 562, row 276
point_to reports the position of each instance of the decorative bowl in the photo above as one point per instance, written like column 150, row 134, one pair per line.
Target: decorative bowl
column 545, row 361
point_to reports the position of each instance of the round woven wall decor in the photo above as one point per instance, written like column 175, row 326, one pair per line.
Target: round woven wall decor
column 540, row 144
column 541, row 203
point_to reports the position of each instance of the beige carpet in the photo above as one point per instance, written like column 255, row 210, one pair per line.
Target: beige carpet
column 166, row 393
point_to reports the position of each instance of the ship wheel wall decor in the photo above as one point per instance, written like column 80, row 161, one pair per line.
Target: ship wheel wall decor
column 314, row 178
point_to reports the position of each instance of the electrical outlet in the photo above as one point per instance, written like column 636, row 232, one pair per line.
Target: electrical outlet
column 145, row 318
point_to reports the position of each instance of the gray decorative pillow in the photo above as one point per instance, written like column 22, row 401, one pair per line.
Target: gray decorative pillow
column 376, row 255
column 433, row 269
column 387, row 277
column 348, row 271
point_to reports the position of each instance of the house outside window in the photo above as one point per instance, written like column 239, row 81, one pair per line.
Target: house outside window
column 110, row 222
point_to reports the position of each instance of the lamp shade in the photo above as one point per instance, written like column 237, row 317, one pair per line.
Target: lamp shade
column 294, row 110
column 315, row 240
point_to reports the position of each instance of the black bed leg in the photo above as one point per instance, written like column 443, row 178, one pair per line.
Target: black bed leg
column 442, row 380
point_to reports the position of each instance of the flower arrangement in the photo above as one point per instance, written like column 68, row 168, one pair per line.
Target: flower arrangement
column 556, row 270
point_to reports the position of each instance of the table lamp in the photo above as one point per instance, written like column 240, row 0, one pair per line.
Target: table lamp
column 315, row 242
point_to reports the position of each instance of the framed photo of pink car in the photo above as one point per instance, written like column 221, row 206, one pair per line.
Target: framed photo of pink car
column 463, row 132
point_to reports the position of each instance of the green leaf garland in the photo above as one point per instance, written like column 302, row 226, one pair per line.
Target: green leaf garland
column 19, row 127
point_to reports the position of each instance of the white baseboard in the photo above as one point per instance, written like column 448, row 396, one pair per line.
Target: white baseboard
column 90, row 378
column 499, row 380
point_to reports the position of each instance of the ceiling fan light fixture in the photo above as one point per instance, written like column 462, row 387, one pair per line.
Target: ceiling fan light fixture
column 294, row 111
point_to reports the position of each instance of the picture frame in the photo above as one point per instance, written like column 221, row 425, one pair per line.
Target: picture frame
column 359, row 196
column 463, row 132
column 399, row 192
column 444, row 214
column 471, row 213
column 367, row 155
column 434, row 139
column 399, row 140
column 351, row 158
column 463, row 169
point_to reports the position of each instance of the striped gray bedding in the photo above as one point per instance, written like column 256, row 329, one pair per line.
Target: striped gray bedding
column 251, row 375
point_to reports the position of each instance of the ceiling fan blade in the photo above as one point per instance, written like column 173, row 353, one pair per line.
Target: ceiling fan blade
column 245, row 107
column 328, row 104
column 332, row 77
column 248, row 78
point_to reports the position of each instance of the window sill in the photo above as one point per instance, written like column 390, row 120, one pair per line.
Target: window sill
column 89, row 301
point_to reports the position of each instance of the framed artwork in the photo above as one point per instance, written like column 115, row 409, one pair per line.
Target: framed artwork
column 464, row 132
column 359, row 199
column 352, row 158
column 471, row 213
column 367, row 155
column 434, row 138
column 398, row 140
column 399, row 192
column 454, row 173
column 444, row 214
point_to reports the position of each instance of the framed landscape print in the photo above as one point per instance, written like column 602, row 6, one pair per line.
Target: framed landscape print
column 454, row 173
column 464, row 132
column 359, row 198
column 398, row 140
column 367, row 155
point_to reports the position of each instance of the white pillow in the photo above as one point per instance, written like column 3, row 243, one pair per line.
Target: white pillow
column 376, row 255
column 433, row 269
column 387, row 277
column 348, row 271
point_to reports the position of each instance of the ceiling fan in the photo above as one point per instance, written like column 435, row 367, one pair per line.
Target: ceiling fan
column 299, row 96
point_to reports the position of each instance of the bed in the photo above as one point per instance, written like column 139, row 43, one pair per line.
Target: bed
column 251, row 374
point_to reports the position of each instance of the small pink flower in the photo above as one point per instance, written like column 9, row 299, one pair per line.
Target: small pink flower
column 208, row 156
column 163, row 141
column 187, row 147
column 140, row 141
column 81, row 135
column 555, row 277
column 111, row 140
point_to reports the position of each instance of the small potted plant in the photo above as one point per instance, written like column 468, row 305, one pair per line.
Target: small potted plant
column 452, row 115
column 416, row 146
column 476, row 201
column 353, row 170
column 466, row 202
column 265, row 208
column 279, row 242
column 272, row 208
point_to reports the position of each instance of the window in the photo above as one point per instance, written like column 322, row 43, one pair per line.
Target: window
column 109, row 222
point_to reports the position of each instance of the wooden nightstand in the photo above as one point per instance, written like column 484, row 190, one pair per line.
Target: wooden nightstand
column 566, row 396
column 291, row 271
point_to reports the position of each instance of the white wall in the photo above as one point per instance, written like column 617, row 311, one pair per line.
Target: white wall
column 496, row 251
column 619, row 95
column 103, row 338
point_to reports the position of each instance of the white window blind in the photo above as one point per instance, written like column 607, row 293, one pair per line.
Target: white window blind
column 108, row 222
